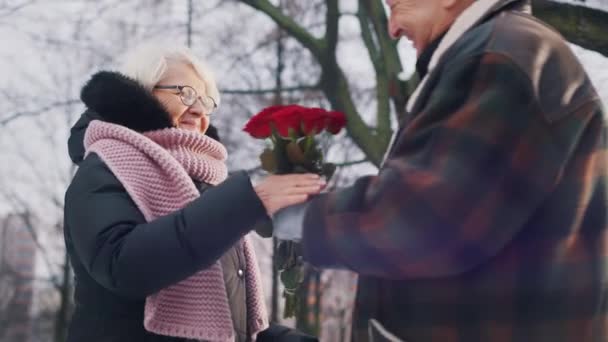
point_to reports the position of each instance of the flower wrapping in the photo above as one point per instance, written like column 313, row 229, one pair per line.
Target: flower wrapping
column 292, row 130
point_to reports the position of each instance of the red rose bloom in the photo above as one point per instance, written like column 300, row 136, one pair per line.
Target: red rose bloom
column 337, row 121
column 295, row 118
column 314, row 121
column 289, row 117
column 259, row 125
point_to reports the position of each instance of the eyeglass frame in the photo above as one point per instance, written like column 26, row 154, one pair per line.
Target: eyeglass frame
column 197, row 98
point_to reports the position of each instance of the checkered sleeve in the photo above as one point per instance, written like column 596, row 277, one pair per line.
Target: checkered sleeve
column 466, row 173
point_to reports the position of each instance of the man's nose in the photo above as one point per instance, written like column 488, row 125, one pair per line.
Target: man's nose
column 393, row 29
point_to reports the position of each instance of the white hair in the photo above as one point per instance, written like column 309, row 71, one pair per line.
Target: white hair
column 148, row 62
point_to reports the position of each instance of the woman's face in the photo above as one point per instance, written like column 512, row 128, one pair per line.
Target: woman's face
column 194, row 117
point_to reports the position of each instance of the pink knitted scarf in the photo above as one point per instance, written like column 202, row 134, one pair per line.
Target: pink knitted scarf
column 156, row 169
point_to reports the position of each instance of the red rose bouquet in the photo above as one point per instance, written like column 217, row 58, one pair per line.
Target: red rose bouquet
column 292, row 130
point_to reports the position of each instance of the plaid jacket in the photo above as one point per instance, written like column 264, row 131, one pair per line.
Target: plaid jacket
column 488, row 221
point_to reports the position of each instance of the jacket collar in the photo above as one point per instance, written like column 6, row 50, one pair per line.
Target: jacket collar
column 478, row 12
column 422, row 64
column 115, row 98
column 424, row 59
column 121, row 100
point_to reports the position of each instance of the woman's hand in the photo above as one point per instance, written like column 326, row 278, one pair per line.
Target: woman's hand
column 279, row 191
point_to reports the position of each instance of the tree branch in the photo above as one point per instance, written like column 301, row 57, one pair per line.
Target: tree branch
column 10, row 11
column 269, row 90
column 398, row 90
column 247, row 54
column 368, row 39
column 333, row 80
column 39, row 111
column 332, row 19
column 287, row 24
column 580, row 25
column 382, row 80
column 354, row 162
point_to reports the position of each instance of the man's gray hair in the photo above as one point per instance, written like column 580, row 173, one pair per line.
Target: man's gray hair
column 148, row 62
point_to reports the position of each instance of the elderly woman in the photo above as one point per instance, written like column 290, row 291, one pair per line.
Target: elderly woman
column 154, row 227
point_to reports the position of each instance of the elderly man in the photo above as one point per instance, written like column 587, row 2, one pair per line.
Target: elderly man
column 488, row 220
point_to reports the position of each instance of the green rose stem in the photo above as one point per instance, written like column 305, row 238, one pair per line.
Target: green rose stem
column 292, row 154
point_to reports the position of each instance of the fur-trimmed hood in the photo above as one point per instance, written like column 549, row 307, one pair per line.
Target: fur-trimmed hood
column 116, row 98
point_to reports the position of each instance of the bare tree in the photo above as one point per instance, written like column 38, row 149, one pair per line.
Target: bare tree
column 582, row 25
column 37, row 113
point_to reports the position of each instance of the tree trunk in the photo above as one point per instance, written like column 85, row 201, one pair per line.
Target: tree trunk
column 278, row 99
column 274, row 299
column 64, row 312
column 189, row 24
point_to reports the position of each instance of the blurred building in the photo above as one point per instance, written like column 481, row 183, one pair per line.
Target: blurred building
column 17, row 270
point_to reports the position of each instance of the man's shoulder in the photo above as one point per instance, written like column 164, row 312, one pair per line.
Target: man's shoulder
column 514, row 34
column 538, row 52
column 555, row 72
column 529, row 42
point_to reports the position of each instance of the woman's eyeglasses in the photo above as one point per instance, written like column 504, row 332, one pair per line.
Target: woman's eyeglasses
column 189, row 96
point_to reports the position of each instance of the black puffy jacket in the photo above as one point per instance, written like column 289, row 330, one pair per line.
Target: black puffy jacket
column 118, row 257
